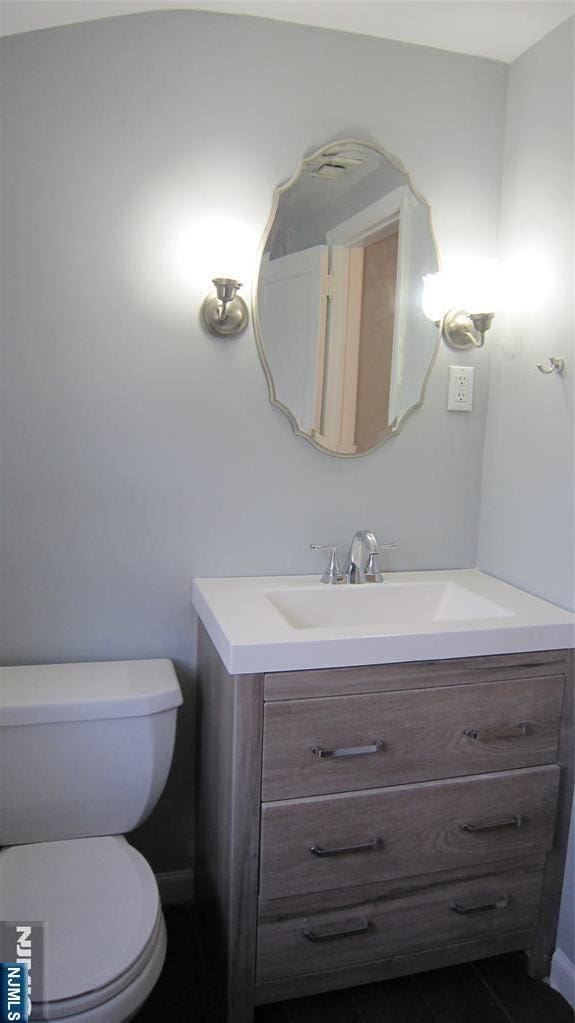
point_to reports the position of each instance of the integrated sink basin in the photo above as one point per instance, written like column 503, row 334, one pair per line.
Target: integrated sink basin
column 382, row 604
column 289, row 623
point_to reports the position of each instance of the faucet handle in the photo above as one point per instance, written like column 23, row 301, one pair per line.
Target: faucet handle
column 333, row 573
column 372, row 572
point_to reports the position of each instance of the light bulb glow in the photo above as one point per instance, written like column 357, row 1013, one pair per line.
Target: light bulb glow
column 173, row 248
column 479, row 284
column 526, row 281
column 218, row 247
column 470, row 284
column 433, row 297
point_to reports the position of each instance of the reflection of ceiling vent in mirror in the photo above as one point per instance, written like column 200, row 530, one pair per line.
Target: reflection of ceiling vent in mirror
column 334, row 167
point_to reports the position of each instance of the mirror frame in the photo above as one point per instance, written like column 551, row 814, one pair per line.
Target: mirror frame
column 278, row 192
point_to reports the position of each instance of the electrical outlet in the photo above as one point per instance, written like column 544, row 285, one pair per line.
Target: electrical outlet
column 460, row 390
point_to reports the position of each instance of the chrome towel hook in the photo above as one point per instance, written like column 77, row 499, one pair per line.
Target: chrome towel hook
column 555, row 366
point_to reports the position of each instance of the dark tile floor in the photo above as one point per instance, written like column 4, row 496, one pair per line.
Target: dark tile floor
column 494, row 990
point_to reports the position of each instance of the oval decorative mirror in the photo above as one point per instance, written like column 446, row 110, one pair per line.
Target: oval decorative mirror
column 344, row 343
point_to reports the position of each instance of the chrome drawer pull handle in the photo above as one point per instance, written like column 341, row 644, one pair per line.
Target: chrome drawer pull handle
column 373, row 846
column 348, row 751
column 501, row 903
column 356, row 928
column 516, row 821
column 502, row 732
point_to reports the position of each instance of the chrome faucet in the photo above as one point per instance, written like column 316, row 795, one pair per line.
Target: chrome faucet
column 362, row 563
column 362, row 558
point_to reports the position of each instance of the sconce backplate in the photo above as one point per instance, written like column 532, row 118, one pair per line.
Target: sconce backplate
column 232, row 324
column 457, row 329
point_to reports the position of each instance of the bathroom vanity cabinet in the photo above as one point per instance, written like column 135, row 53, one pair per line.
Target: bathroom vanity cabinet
column 356, row 824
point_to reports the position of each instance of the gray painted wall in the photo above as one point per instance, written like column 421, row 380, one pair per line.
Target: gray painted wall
column 527, row 519
column 138, row 453
column 527, row 510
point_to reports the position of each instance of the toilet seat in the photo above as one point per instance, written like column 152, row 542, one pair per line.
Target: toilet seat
column 100, row 901
column 112, row 1002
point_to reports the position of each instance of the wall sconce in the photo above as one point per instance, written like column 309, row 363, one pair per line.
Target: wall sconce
column 225, row 314
column 460, row 329
column 447, row 301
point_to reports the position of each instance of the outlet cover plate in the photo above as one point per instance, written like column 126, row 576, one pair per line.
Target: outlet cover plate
column 460, row 390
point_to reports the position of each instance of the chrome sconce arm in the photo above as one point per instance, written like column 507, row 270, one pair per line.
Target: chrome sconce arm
column 225, row 314
column 460, row 329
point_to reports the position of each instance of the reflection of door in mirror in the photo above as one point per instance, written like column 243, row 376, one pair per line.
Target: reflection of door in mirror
column 340, row 330
column 332, row 313
column 354, row 396
column 376, row 341
column 360, row 333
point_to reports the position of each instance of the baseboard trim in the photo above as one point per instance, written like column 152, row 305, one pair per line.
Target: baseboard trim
column 175, row 886
column 562, row 976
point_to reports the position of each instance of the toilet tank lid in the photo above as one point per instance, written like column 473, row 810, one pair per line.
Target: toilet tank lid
column 42, row 693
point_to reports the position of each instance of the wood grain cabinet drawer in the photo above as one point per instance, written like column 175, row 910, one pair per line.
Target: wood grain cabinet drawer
column 412, row 816
column 326, row 842
column 345, row 743
column 292, row 944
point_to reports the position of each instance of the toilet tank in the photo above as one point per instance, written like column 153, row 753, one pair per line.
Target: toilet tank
column 85, row 749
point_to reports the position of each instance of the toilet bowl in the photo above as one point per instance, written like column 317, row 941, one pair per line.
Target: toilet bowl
column 99, row 938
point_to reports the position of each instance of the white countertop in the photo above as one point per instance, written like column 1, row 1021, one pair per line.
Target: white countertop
column 252, row 635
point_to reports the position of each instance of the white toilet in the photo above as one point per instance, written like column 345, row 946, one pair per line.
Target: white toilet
column 85, row 751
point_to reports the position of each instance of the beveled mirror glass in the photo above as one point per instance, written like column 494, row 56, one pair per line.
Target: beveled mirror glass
column 344, row 343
